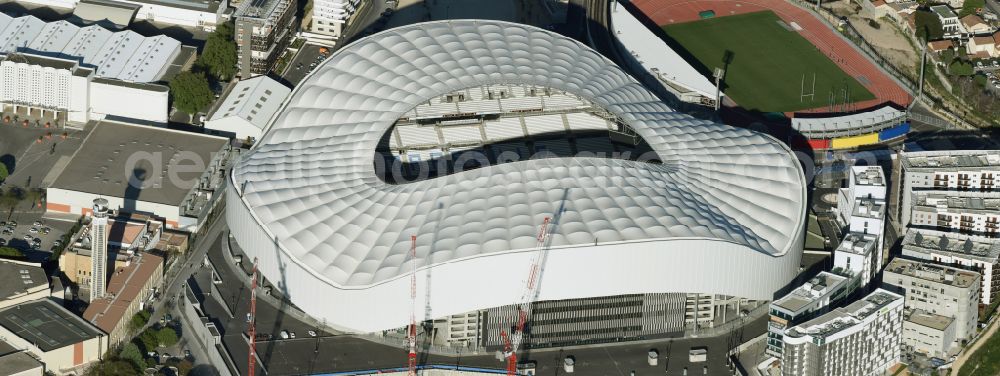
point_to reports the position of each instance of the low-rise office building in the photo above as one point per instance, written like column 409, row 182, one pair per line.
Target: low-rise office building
column 937, row 289
column 204, row 14
column 162, row 173
column 60, row 339
column 971, row 252
column 860, row 339
column 928, row 333
column 128, row 291
column 21, row 281
column 805, row 302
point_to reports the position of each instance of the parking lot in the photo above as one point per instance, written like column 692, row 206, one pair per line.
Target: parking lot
column 304, row 62
column 31, row 234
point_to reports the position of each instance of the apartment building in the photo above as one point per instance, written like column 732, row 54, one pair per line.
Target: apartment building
column 805, row 302
column 860, row 339
column 961, row 211
column 928, row 333
column 857, row 255
column 939, row 290
column 264, row 28
column 969, row 252
column 951, row 171
column 329, row 17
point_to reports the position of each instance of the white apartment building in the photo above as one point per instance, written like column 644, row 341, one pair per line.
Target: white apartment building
column 954, row 170
column 329, row 17
column 860, row 339
column 939, row 290
column 864, row 182
column 961, row 211
column 803, row 303
column 928, row 333
column 970, row 252
column 856, row 255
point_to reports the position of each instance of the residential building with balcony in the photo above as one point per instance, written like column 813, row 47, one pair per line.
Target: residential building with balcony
column 264, row 28
column 969, row 252
column 805, row 302
column 862, row 338
column 938, row 290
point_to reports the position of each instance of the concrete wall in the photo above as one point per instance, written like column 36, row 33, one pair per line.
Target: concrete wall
column 133, row 103
column 238, row 127
column 75, row 202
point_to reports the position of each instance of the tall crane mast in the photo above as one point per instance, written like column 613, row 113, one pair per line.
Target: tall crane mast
column 252, row 329
column 411, row 336
column 513, row 341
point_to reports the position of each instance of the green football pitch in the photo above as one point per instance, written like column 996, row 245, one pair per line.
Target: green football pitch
column 768, row 63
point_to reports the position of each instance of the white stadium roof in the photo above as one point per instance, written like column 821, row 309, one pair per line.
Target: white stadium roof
column 724, row 213
column 123, row 55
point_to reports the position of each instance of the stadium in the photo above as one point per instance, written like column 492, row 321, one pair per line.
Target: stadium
column 781, row 60
column 468, row 135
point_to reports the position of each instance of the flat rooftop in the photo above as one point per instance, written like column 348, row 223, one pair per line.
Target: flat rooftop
column 14, row 363
column 209, row 6
column 812, row 291
column 845, row 317
column 985, row 202
column 943, row 11
column 46, row 324
column 933, row 272
column 868, row 176
column 857, row 243
column 930, row 320
column 971, row 246
column 17, row 278
column 101, row 165
column 951, row 159
column 125, row 287
column 869, row 208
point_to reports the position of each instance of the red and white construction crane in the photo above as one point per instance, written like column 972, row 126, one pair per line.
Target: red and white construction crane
column 411, row 335
column 513, row 341
column 252, row 324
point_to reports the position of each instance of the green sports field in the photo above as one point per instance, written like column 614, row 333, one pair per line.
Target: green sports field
column 767, row 62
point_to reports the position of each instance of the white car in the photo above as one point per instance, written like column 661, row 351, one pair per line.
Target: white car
column 291, row 334
column 996, row 63
column 33, row 230
column 979, row 64
column 312, row 333
column 284, row 334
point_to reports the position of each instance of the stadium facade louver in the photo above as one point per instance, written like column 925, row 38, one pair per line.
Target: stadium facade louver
column 721, row 211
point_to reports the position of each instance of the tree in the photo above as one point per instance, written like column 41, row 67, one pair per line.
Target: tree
column 961, row 68
column 148, row 340
column 184, row 366
column 980, row 80
column 190, row 92
column 166, row 336
column 218, row 58
column 10, row 252
column 112, row 368
column 3, row 172
column 928, row 26
column 970, row 7
column 140, row 319
column 132, row 354
column 948, row 55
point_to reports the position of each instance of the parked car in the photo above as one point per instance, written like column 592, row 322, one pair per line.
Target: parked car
column 291, row 334
column 37, row 223
column 312, row 333
column 33, row 230
column 26, row 237
column 284, row 334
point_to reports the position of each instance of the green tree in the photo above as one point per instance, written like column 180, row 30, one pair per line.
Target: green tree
column 947, row 56
column 148, row 340
column 184, row 366
column 166, row 336
column 961, row 68
column 3, row 172
column 10, row 252
column 928, row 26
column 112, row 368
column 190, row 92
column 970, row 7
column 140, row 319
column 218, row 58
column 980, row 80
column 132, row 354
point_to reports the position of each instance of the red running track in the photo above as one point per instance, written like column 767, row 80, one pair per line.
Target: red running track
column 664, row 12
